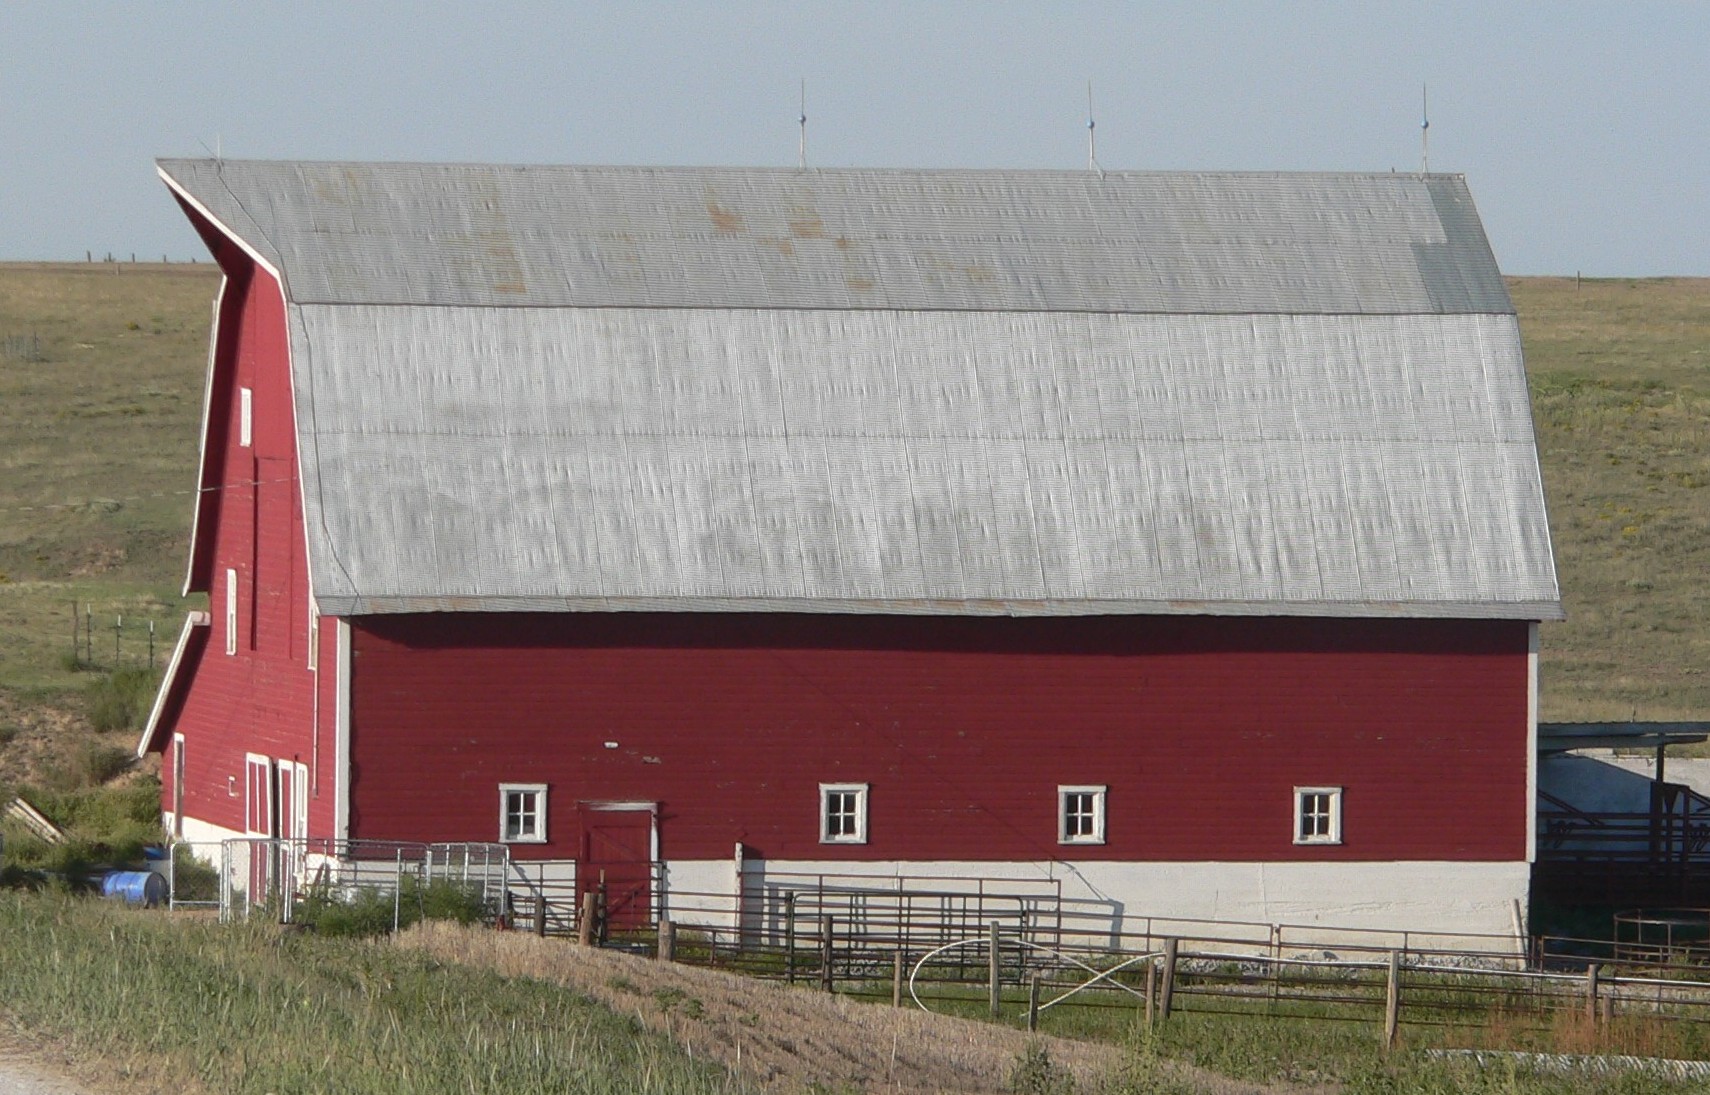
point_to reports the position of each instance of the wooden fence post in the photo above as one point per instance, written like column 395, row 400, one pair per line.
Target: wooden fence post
column 540, row 911
column 1392, row 1001
column 993, row 983
column 1033, row 1001
column 897, row 964
column 667, row 940
column 584, row 924
column 1151, row 991
column 1167, row 993
column 825, row 925
column 1591, row 994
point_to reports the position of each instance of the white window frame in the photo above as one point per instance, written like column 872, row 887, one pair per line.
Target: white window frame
column 859, row 790
column 231, row 611
column 538, row 790
column 314, row 638
column 246, row 417
column 1331, row 815
column 178, row 785
column 1098, row 793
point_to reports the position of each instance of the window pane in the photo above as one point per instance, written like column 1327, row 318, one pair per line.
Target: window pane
column 840, row 813
column 520, row 807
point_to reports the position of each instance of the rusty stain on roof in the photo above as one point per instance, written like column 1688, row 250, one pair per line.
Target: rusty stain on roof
column 725, row 221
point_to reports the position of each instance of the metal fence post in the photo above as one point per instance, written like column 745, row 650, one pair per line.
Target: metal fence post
column 790, row 938
column 397, row 889
column 225, row 882
column 825, row 952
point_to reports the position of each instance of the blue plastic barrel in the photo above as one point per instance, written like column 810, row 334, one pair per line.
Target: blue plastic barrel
column 143, row 888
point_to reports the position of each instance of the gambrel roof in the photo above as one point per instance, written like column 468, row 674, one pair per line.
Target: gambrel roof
column 990, row 392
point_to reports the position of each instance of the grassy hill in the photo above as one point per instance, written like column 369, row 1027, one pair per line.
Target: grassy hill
column 101, row 372
column 1620, row 374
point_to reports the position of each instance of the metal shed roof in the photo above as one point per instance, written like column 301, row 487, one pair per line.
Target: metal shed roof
column 963, row 392
column 649, row 237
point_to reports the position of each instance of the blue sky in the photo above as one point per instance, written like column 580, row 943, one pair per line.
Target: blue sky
column 1583, row 129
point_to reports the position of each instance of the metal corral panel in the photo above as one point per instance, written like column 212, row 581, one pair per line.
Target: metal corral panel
column 1075, row 241
column 958, row 462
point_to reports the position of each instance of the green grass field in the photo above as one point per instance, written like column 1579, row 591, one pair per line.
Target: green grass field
column 101, row 370
column 101, row 373
column 1621, row 395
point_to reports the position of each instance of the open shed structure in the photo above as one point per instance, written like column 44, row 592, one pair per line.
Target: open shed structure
column 1174, row 539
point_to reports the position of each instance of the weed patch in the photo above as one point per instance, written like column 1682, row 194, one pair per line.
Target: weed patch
column 120, row 700
column 368, row 912
column 1035, row 1073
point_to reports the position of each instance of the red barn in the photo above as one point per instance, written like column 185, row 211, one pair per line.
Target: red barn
column 1176, row 538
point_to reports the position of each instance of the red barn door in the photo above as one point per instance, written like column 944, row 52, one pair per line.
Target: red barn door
column 617, row 845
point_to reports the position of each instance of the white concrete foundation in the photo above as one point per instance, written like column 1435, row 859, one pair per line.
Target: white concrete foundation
column 1473, row 906
column 198, row 832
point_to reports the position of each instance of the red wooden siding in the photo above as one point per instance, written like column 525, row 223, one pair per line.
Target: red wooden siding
column 964, row 728
column 250, row 521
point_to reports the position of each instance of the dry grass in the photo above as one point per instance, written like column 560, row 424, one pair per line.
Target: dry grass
column 142, row 1001
column 786, row 1038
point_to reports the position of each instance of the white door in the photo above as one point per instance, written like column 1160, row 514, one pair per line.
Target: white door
column 259, row 822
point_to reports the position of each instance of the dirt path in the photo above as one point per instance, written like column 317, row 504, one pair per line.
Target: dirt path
column 30, row 1065
column 791, row 1039
column 33, row 1068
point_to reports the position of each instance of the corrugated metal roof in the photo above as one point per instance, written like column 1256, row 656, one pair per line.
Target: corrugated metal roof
column 645, row 237
column 1253, row 394
column 918, row 461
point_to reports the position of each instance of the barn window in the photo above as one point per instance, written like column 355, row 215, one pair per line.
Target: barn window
column 1080, row 815
column 843, row 813
column 231, row 611
column 522, row 813
column 1318, row 815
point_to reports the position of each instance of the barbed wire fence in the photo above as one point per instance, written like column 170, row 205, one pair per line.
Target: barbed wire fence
column 111, row 640
column 22, row 347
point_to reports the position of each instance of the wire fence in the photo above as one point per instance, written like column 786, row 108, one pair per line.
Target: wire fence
column 1015, row 951
column 1015, row 973
column 114, row 640
column 26, row 348
column 245, row 877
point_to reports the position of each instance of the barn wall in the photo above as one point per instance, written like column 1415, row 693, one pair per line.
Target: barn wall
column 1201, row 727
column 259, row 699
